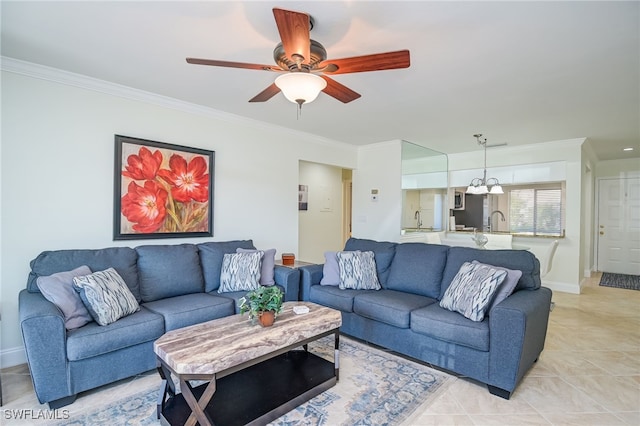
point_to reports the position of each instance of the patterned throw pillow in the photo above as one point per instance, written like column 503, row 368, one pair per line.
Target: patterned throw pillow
column 267, row 270
column 240, row 271
column 106, row 296
column 358, row 270
column 472, row 289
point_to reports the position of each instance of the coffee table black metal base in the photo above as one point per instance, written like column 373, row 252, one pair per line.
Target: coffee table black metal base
column 260, row 393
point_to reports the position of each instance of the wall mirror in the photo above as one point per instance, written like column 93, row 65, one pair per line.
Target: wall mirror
column 424, row 189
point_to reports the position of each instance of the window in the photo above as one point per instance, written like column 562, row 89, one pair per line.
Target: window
column 536, row 210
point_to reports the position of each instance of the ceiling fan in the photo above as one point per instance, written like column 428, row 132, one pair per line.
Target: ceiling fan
column 300, row 58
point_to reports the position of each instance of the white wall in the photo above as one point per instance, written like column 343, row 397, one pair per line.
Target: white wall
column 58, row 164
column 589, row 160
column 320, row 227
column 618, row 168
column 379, row 167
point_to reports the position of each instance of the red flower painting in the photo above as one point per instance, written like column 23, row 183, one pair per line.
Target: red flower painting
column 166, row 192
column 145, row 206
column 189, row 181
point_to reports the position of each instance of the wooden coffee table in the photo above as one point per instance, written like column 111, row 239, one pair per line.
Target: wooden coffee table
column 252, row 374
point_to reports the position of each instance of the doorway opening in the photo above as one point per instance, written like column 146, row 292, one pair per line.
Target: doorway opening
column 324, row 221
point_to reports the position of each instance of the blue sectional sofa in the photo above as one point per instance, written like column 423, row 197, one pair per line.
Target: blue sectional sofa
column 405, row 315
column 175, row 285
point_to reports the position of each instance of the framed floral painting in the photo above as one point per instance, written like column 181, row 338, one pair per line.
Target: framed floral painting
column 162, row 190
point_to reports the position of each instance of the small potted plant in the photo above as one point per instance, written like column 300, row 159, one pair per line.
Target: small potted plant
column 263, row 304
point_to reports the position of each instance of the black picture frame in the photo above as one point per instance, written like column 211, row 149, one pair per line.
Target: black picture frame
column 159, row 190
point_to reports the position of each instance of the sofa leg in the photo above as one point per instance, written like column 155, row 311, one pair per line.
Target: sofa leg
column 59, row 403
column 499, row 392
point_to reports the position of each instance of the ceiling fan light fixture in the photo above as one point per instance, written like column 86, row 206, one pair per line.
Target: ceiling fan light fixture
column 300, row 87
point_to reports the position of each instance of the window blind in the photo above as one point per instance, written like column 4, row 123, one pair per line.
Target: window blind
column 535, row 211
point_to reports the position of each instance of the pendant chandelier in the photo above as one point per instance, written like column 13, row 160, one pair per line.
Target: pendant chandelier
column 480, row 186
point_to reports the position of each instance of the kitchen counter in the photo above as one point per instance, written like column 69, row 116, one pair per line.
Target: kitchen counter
column 515, row 234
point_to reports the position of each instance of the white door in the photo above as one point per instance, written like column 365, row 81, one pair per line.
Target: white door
column 619, row 226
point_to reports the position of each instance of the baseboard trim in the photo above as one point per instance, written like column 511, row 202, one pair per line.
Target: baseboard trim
column 12, row 357
column 563, row 287
column 584, row 282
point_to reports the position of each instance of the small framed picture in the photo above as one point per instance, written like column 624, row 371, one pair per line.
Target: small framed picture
column 303, row 197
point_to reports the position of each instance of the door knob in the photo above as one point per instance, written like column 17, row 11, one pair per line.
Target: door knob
column 601, row 233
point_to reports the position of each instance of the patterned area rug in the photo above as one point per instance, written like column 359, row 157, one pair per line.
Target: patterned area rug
column 630, row 282
column 375, row 388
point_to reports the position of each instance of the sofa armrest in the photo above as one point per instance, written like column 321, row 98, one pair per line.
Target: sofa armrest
column 45, row 341
column 517, row 330
column 289, row 280
column 309, row 275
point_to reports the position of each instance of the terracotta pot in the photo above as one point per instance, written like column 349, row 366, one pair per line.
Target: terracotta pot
column 266, row 318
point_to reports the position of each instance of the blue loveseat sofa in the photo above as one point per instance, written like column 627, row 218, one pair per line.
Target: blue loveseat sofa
column 405, row 315
column 175, row 285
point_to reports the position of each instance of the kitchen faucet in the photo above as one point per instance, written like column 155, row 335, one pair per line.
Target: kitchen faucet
column 418, row 219
column 502, row 218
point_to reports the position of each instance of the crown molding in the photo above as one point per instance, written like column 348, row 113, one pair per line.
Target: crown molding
column 56, row 75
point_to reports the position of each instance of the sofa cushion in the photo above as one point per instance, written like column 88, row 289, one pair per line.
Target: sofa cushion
column 521, row 260
column 333, row 297
column 122, row 259
column 417, row 268
column 94, row 340
column 383, row 251
column 211, row 256
column 472, row 290
column 240, row 271
column 389, row 306
column 189, row 309
column 58, row 289
column 506, row 288
column 168, row 270
column 357, row 270
column 442, row 324
column 268, row 265
column 106, row 296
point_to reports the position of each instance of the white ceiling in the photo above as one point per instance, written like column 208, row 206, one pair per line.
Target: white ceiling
column 518, row 72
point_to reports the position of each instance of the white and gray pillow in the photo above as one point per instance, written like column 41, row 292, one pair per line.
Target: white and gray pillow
column 472, row 289
column 58, row 289
column 358, row 270
column 240, row 271
column 267, row 268
column 106, row 296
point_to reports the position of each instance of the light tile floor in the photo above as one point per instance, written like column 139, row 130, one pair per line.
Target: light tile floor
column 588, row 374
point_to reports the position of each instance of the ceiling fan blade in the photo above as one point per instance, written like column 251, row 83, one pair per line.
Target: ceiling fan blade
column 294, row 30
column 375, row 62
column 266, row 94
column 228, row 64
column 339, row 91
